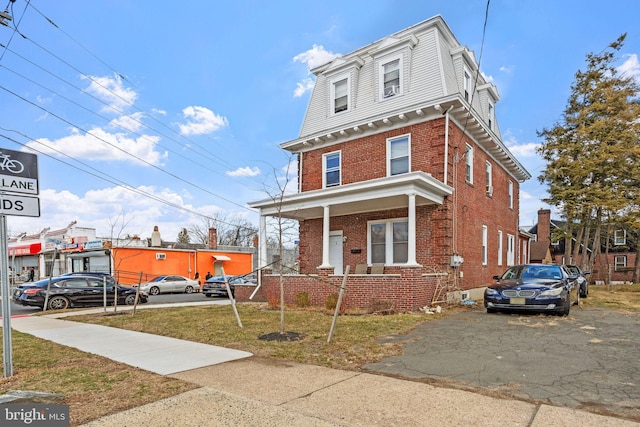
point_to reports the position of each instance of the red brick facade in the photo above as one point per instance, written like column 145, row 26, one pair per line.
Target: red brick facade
column 455, row 227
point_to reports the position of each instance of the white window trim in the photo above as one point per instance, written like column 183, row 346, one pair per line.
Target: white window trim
column 384, row 61
column 388, row 256
column 485, row 245
column 510, row 194
column 324, row 168
column 332, row 93
column 467, row 84
column 619, row 261
column 620, row 240
column 500, row 247
column 395, row 138
column 491, row 115
column 469, row 162
column 489, row 173
column 511, row 250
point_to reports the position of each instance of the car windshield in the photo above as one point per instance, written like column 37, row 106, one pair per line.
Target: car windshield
column 533, row 272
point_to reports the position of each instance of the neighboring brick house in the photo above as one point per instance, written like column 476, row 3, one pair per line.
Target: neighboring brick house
column 401, row 165
column 618, row 266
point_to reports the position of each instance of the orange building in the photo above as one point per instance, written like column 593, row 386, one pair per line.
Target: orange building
column 140, row 264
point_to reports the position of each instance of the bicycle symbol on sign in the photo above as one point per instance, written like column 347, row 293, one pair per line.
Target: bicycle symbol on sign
column 11, row 165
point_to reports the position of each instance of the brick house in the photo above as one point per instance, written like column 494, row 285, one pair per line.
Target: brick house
column 616, row 266
column 402, row 174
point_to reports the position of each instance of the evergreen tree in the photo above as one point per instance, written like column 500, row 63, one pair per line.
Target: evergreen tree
column 593, row 154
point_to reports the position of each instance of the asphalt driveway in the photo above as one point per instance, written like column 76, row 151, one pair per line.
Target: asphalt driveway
column 588, row 360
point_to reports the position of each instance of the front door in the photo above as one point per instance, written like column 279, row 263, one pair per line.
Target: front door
column 335, row 252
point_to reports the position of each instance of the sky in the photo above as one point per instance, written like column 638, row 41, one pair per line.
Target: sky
column 146, row 113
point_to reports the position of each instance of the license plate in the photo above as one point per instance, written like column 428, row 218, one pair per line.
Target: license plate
column 516, row 301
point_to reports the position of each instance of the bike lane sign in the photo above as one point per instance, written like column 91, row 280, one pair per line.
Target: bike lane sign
column 18, row 172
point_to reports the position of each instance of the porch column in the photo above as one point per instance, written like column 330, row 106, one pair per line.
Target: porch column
column 411, row 249
column 262, row 244
column 325, row 237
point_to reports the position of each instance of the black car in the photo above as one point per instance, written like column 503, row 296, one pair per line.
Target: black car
column 215, row 285
column 73, row 291
column 531, row 287
column 581, row 279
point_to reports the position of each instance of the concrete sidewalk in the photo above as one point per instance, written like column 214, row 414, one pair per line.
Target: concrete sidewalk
column 239, row 390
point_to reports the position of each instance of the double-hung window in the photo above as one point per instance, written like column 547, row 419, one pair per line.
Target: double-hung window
column 491, row 116
column 500, row 247
column 510, row 194
column 388, row 241
column 398, row 159
column 489, row 173
column 469, row 164
column 390, row 77
column 485, row 244
column 331, row 166
column 340, row 96
column 511, row 249
column 467, row 85
column 620, row 237
column 619, row 262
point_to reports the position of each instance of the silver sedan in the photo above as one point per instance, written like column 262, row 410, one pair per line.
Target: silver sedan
column 170, row 284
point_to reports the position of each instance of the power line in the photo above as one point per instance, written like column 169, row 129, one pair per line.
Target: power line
column 102, row 175
column 122, row 150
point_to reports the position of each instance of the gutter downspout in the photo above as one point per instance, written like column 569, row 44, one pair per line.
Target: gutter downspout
column 446, row 144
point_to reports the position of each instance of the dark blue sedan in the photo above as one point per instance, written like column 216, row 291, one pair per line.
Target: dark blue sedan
column 531, row 287
column 74, row 291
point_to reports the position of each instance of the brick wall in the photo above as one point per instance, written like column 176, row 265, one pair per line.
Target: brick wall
column 454, row 227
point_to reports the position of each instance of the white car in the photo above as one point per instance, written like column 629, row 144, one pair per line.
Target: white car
column 170, row 284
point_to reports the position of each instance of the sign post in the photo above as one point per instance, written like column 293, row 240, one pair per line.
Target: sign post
column 18, row 174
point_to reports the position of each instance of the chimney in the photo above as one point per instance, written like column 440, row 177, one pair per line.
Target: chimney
column 544, row 225
column 156, row 241
column 213, row 238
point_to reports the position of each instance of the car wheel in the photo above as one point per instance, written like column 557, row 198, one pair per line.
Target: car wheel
column 188, row 289
column 584, row 291
column 58, row 303
column 567, row 307
column 208, row 295
column 130, row 300
column 154, row 290
column 491, row 310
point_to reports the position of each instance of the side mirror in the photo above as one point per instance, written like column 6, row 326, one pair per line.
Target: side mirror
column 496, row 277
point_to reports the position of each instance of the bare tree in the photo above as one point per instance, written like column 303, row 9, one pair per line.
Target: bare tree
column 282, row 227
column 231, row 230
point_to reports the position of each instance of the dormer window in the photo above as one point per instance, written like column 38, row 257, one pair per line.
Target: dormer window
column 390, row 77
column 467, row 85
column 491, row 116
column 340, row 95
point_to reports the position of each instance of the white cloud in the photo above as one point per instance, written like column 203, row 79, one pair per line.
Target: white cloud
column 98, row 144
column 507, row 69
column 312, row 58
column 630, row 67
column 303, row 87
column 131, row 122
column 112, row 91
column 524, row 150
column 315, row 56
column 246, row 171
column 201, row 121
column 487, row 78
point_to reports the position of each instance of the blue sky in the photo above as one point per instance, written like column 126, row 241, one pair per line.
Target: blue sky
column 188, row 102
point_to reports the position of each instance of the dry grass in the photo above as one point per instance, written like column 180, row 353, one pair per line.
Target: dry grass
column 354, row 341
column 616, row 296
column 94, row 386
